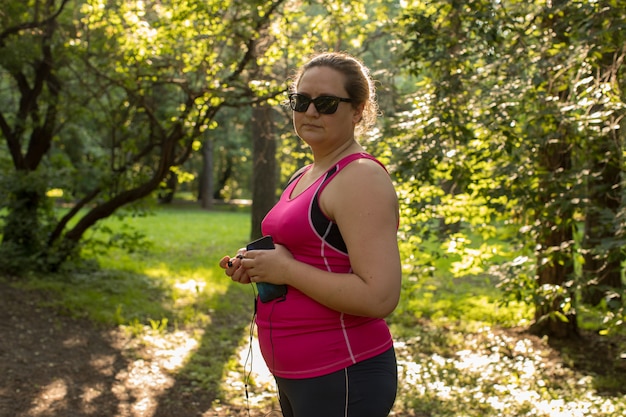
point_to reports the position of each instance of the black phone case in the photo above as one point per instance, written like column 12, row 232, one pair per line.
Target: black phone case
column 267, row 291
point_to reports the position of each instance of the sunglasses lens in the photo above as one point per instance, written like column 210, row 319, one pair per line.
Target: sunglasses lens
column 299, row 103
column 326, row 105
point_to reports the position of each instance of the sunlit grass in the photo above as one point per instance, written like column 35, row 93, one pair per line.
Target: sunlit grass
column 172, row 276
column 471, row 300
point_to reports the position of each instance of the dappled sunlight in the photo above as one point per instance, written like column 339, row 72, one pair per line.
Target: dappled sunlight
column 142, row 383
column 155, row 357
column 90, row 395
column 171, row 350
column 103, row 364
column 505, row 375
column 52, row 397
column 191, row 285
column 193, row 281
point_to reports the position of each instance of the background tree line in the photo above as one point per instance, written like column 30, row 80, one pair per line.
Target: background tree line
column 503, row 122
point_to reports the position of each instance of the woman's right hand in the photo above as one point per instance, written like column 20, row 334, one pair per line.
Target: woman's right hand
column 233, row 268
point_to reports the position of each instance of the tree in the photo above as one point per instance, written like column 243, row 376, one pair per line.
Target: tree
column 514, row 71
column 205, row 183
column 149, row 79
column 35, row 116
column 265, row 170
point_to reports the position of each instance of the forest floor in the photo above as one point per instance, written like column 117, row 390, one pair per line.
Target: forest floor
column 52, row 366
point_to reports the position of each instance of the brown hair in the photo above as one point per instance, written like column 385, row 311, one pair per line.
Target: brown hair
column 359, row 84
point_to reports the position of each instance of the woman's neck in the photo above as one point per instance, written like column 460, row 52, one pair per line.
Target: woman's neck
column 323, row 161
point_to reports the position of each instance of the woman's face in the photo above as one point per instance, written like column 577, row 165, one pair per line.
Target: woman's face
column 325, row 129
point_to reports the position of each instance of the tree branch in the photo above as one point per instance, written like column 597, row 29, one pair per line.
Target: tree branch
column 31, row 25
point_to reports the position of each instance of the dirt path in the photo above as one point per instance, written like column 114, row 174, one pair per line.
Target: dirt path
column 54, row 366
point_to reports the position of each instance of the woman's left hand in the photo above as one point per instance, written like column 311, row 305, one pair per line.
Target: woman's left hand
column 267, row 265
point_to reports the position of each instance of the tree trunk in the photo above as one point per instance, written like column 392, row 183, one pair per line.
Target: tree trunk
column 223, row 178
column 24, row 231
column 205, row 187
column 264, row 168
column 602, row 268
column 555, row 314
column 21, row 234
column 554, row 270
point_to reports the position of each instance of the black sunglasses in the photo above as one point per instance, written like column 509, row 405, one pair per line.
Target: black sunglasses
column 323, row 104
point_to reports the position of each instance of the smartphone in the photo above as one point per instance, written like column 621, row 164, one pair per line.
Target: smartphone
column 267, row 291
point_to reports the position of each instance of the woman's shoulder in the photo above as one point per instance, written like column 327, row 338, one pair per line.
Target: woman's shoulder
column 363, row 164
column 365, row 176
column 362, row 186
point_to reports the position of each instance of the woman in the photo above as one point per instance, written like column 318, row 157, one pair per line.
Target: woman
column 335, row 229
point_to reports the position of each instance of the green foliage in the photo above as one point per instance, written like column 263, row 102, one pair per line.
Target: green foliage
column 130, row 88
column 448, row 289
column 498, row 140
column 492, row 112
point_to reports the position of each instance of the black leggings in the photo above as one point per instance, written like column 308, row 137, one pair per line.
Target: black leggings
column 365, row 389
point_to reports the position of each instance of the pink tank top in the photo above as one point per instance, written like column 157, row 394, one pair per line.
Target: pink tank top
column 299, row 337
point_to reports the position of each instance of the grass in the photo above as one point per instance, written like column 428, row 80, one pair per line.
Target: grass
column 173, row 273
column 453, row 357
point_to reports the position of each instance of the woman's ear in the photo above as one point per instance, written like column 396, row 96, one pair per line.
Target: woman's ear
column 358, row 114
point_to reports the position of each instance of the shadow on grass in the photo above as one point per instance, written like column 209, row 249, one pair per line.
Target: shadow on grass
column 601, row 357
column 197, row 385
